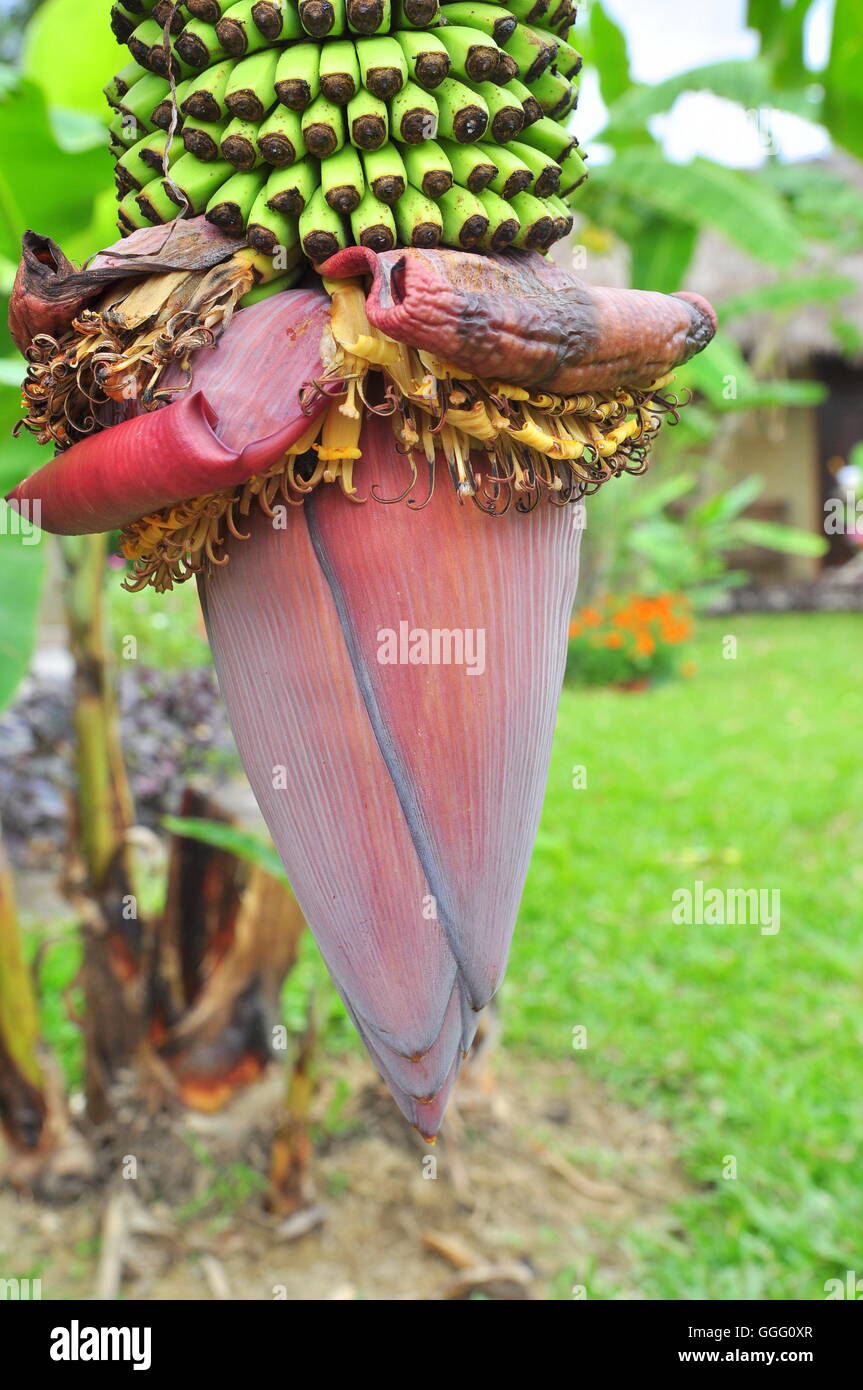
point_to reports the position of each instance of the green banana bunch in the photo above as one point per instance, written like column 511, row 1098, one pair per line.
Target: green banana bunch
column 306, row 125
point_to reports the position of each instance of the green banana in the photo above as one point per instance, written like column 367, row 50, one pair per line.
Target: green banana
column 122, row 22
column 493, row 20
column 561, row 17
column 322, row 17
column 297, row 81
column 470, row 166
column 383, row 67
column 141, row 100
column 230, row 207
column 251, row 87
column 503, row 225
column 368, row 121
column 199, row 45
column 322, row 231
column 130, row 218
column 340, row 71
column 506, row 113
column 416, row 14
column 164, row 12
column 532, row 53
column 537, row 227
column 277, row 19
column 280, row 138
column 464, row 219
column 368, row 16
column 191, row 184
column 418, row 219
column 413, row 115
column 507, row 68
column 323, row 127
column 472, row 53
column 550, row 138
column 385, row 173
column 268, row 230
column 205, row 94
column 529, row 11
column 551, row 91
column 427, row 59
column 373, row 224
column 163, row 115
column 563, row 218
column 138, row 171
column 153, row 150
column 513, row 175
column 239, row 144
column 154, row 203
column 124, row 183
column 529, row 104
column 463, row 115
column 573, row 171
column 561, row 112
column 142, row 40
column 546, row 172
column 428, row 168
column 122, row 82
column 288, row 190
column 210, row 11
column 567, row 60
column 237, row 31
column 203, row 139
column 342, row 180
column 124, row 131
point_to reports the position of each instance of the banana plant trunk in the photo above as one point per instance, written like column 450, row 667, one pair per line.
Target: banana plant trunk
column 224, row 944
column 102, row 882
column 23, row 1102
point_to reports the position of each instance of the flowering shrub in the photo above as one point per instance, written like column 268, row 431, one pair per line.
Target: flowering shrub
column 630, row 639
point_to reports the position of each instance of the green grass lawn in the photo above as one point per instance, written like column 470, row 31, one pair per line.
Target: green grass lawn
column 748, row 775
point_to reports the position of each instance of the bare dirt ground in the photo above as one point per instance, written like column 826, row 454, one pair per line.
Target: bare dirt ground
column 533, row 1192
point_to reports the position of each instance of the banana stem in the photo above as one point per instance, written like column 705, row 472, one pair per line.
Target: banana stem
column 103, row 817
column 23, row 1107
column 291, row 1180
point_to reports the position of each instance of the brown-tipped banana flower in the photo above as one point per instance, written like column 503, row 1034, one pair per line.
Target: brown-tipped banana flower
column 391, row 671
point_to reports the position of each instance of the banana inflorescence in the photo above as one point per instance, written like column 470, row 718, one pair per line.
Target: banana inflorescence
column 306, row 125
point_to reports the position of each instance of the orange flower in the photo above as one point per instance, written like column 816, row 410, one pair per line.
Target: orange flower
column 614, row 639
column 575, row 629
column 674, row 631
column 645, row 645
column 590, row 617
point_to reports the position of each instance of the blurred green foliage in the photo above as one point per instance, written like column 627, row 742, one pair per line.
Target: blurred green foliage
column 168, row 632
column 665, row 537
